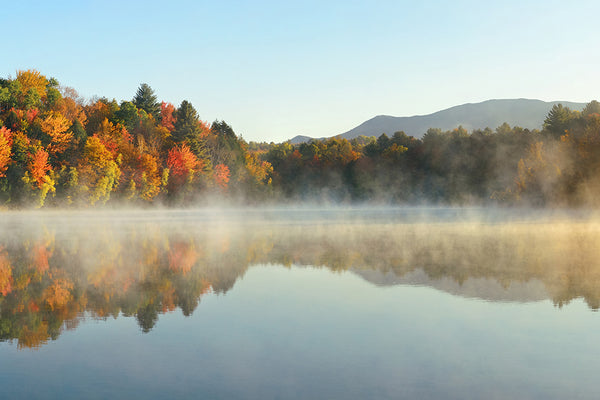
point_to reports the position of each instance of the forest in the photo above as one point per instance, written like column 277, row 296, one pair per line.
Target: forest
column 59, row 150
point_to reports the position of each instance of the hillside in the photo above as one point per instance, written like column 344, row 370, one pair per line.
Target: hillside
column 525, row 113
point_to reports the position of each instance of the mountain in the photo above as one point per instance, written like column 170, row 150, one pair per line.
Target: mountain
column 525, row 113
column 473, row 287
column 300, row 139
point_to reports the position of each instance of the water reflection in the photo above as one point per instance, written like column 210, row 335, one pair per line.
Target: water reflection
column 54, row 269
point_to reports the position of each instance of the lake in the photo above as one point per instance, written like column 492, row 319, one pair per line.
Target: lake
column 300, row 303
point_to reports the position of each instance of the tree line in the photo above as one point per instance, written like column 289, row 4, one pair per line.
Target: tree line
column 58, row 150
column 558, row 165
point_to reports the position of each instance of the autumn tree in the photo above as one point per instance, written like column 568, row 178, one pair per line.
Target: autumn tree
column 183, row 166
column 97, row 112
column 37, row 176
column 56, row 126
column 38, row 166
column 70, row 106
column 113, row 136
column 5, row 149
column 260, row 171
column 150, row 137
column 99, row 171
column 221, row 175
column 32, row 84
column 142, row 176
column 167, row 116
column 150, row 177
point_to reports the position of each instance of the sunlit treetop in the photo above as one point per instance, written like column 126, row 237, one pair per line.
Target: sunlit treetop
column 32, row 80
column 146, row 100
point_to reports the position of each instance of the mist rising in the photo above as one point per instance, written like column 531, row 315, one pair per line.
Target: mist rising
column 57, row 266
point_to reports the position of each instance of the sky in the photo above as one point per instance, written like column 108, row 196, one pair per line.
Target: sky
column 276, row 69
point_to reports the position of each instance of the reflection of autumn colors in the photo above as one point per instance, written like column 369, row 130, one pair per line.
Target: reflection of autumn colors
column 53, row 276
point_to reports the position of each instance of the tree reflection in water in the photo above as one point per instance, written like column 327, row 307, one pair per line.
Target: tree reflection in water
column 54, row 273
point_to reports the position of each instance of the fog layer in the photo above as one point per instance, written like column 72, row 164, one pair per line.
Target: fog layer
column 54, row 267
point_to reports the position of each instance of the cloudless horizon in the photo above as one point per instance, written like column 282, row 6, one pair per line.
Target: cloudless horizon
column 273, row 70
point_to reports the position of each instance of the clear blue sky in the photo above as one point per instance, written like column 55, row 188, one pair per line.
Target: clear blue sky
column 276, row 69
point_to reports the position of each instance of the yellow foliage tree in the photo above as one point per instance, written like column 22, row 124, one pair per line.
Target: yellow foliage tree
column 150, row 179
column 99, row 172
column 32, row 79
column 56, row 126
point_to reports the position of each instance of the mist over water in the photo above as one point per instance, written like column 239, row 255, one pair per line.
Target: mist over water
column 120, row 257
column 155, row 270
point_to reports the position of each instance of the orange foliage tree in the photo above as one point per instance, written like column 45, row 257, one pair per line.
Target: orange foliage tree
column 41, row 183
column 183, row 165
column 204, row 129
column 6, row 141
column 167, row 118
column 39, row 167
column 56, row 126
column 221, row 175
column 31, row 114
column 142, row 174
column 113, row 136
column 69, row 107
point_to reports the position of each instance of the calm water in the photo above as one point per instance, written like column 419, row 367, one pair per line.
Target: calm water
column 300, row 304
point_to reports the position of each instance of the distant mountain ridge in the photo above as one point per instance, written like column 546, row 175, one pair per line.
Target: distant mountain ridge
column 480, row 288
column 526, row 113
